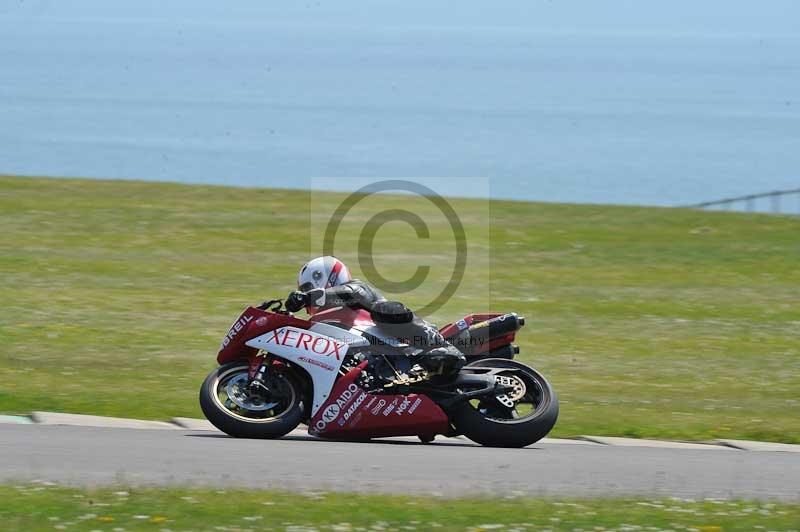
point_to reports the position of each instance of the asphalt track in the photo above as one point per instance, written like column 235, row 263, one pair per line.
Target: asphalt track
column 86, row 456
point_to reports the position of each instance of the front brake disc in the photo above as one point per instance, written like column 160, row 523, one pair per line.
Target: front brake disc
column 239, row 394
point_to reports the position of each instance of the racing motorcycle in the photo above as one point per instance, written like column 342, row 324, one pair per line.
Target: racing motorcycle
column 344, row 378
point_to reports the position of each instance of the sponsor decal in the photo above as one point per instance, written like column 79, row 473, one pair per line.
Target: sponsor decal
column 236, row 328
column 347, row 396
column 462, row 325
column 377, row 409
column 315, row 362
column 262, row 321
column 391, row 407
column 414, row 407
column 403, row 407
column 331, row 413
column 308, row 341
column 354, row 407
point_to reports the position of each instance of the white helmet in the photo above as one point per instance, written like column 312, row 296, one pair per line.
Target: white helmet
column 323, row 272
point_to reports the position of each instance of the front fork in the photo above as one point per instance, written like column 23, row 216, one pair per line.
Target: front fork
column 256, row 362
column 257, row 372
column 262, row 367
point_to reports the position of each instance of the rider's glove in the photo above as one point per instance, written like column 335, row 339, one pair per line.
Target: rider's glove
column 296, row 301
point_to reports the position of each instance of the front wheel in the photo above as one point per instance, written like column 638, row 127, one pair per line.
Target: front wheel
column 517, row 419
column 242, row 411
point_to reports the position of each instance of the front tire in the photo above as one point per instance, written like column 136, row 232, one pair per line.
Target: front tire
column 490, row 423
column 227, row 404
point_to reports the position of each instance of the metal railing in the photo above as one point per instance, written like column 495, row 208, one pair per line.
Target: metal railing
column 776, row 205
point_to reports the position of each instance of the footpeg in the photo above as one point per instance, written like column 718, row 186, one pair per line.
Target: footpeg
column 415, row 374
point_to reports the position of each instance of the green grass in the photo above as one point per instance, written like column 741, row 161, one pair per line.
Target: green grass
column 42, row 507
column 649, row 322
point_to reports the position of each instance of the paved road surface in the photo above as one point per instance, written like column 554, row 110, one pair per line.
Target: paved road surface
column 97, row 456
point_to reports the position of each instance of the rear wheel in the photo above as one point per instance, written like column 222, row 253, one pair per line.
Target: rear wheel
column 518, row 418
column 243, row 411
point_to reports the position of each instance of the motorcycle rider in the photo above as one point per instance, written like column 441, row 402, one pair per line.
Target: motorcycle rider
column 325, row 283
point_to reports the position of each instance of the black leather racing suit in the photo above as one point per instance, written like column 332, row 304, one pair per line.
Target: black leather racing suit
column 397, row 320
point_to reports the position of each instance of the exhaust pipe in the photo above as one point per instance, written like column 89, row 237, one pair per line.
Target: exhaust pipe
column 486, row 331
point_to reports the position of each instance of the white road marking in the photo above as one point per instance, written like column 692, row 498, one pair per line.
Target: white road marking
column 761, row 446
column 16, row 420
column 660, row 444
column 80, row 420
column 180, row 423
column 193, row 424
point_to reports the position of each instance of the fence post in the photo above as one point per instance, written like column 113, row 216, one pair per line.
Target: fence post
column 776, row 202
column 775, row 198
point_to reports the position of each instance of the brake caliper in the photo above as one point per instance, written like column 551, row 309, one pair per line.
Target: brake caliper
column 258, row 373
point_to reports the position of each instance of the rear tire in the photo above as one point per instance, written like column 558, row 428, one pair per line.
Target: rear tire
column 238, row 422
column 489, row 431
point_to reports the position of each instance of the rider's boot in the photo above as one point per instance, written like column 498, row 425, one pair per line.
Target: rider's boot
column 442, row 362
column 434, row 357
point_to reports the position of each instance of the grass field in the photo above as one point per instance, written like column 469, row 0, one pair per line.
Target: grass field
column 42, row 507
column 650, row 322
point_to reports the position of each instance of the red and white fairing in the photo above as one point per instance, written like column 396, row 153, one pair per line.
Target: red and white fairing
column 353, row 413
column 320, row 350
column 340, row 408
